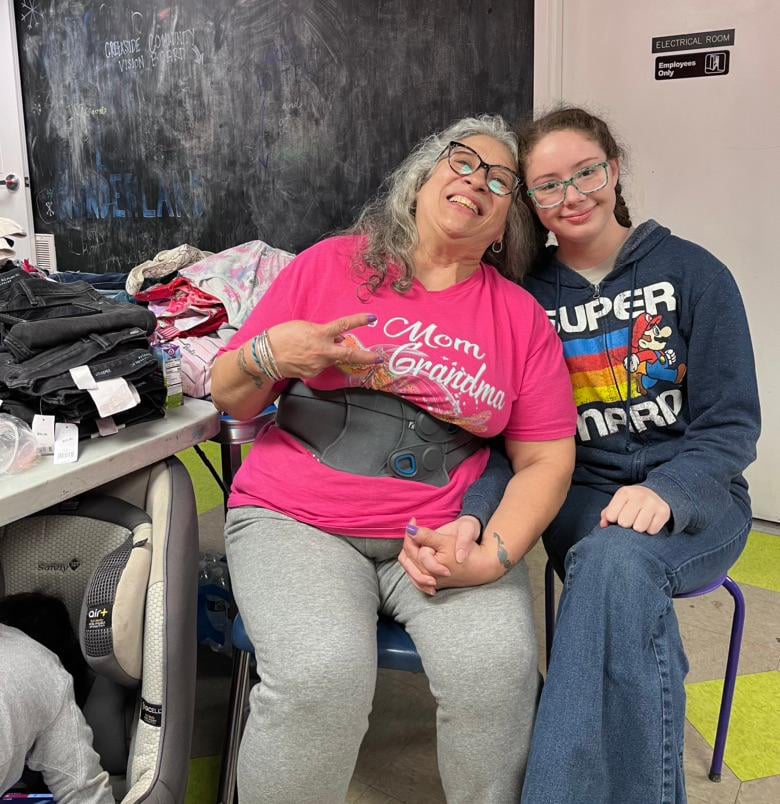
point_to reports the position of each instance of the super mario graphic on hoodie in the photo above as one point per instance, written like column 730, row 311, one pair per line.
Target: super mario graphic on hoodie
column 661, row 366
column 651, row 360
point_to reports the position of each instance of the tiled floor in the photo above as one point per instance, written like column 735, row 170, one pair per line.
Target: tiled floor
column 397, row 762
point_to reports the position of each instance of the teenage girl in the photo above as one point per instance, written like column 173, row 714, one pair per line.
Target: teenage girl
column 656, row 341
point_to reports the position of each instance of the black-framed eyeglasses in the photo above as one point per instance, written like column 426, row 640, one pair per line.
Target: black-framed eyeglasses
column 588, row 180
column 465, row 161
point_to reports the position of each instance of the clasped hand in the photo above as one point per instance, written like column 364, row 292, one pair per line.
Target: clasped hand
column 448, row 557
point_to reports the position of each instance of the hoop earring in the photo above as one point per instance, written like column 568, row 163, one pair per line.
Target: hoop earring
column 497, row 247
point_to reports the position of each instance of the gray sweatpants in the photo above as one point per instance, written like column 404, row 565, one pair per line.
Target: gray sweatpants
column 309, row 601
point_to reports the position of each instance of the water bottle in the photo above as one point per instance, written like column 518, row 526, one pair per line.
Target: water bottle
column 214, row 600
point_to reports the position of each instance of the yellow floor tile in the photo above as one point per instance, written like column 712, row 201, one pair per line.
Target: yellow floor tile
column 759, row 564
column 753, row 747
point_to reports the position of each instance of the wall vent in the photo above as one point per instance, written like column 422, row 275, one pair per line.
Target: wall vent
column 45, row 253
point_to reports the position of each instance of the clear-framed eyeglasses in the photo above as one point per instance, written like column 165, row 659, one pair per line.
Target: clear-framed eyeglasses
column 465, row 161
column 588, row 180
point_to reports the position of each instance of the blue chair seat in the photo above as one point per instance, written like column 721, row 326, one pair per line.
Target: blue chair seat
column 395, row 647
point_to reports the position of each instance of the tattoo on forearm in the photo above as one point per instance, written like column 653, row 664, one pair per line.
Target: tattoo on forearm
column 257, row 380
column 502, row 553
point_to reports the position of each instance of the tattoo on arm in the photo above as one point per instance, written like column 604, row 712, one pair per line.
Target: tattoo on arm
column 257, row 380
column 502, row 553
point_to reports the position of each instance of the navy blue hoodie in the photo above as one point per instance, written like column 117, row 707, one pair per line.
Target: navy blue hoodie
column 663, row 343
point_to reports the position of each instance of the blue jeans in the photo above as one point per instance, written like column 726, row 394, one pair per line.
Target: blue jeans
column 610, row 724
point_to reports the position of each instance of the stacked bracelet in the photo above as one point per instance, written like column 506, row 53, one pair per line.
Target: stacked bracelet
column 264, row 357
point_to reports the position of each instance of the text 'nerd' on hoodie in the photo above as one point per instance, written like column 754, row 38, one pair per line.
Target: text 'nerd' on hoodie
column 662, row 369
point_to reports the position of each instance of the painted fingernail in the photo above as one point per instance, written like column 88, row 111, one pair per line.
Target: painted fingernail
column 411, row 529
column 378, row 360
column 371, row 318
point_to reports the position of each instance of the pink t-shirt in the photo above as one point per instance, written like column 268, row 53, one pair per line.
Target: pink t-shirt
column 481, row 354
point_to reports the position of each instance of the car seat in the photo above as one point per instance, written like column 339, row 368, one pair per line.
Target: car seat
column 124, row 558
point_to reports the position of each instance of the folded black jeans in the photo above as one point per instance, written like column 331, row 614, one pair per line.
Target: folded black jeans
column 134, row 366
column 21, row 292
column 28, row 338
column 151, row 406
column 78, row 406
column 29, row 376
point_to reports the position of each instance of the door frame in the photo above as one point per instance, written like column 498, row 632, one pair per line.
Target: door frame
column 548, row 54
column 15, row 135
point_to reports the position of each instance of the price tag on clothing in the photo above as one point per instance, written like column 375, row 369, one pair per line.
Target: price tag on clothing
column 66, row 443
column 43, row 430
column 83, row 378
column 114, row 396
column 107, row 426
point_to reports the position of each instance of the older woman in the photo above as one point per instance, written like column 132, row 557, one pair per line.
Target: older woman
column 383, row 415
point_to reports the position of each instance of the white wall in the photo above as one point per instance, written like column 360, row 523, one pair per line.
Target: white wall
column 704, row 152
column 13, row 151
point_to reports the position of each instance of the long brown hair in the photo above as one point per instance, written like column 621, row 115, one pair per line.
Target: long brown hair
column 571, row 118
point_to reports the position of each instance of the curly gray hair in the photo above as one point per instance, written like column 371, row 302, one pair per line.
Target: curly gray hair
column 388, row 220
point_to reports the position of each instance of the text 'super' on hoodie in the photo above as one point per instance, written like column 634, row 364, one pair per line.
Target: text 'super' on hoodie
column 663, row 374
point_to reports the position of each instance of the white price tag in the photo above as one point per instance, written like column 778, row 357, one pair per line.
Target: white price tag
column 107, row 426
column 114, row 396
column 43, row 430
column 83, row 378
column 66, row 443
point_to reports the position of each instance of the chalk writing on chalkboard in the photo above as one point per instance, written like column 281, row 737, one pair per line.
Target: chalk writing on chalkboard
column 214, row 122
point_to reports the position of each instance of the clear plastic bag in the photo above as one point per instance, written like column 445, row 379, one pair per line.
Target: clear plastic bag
column 18, row 446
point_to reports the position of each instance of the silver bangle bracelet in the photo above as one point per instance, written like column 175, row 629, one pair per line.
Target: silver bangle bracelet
column 263, row 357
column 258, row 361
column 271, row 357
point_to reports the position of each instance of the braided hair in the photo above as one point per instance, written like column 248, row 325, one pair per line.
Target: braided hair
column 572, row 118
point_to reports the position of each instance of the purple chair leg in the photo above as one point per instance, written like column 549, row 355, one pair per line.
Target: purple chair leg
column 735, row 643
column 549, row 608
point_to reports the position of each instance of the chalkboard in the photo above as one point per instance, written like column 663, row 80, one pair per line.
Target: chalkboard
column 214, row 122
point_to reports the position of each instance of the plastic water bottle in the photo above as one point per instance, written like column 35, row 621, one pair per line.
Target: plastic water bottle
column 214, row 600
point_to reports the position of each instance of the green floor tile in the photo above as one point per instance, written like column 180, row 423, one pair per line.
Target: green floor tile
column 759, row 564
column 203, row 781
column 753, row 747
column 207, row 493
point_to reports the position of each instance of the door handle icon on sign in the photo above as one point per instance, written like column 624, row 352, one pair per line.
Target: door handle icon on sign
column 10, row 182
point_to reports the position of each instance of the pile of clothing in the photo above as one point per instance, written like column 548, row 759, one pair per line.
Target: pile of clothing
column 51, row 323
column 208, row 300
column 48, row 328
